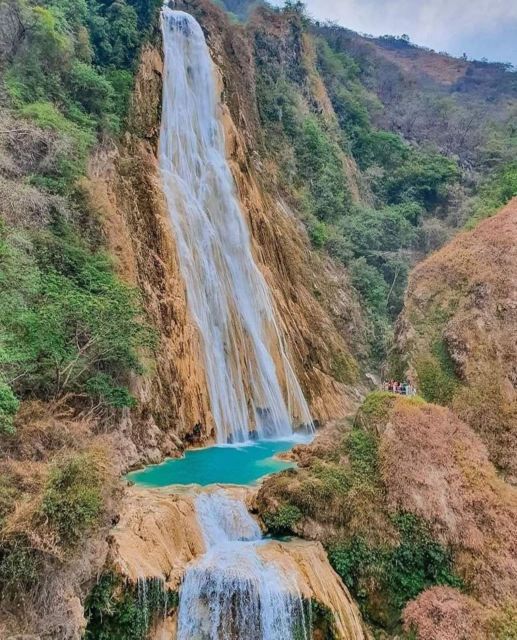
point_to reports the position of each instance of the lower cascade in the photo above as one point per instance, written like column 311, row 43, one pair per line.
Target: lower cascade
column 231, row 592
column 251, row 383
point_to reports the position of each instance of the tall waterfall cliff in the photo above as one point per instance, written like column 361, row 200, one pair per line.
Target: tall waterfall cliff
column 244, row 357
column 315, row 308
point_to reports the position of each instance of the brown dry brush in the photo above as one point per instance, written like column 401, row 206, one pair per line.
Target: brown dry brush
column 52, row 472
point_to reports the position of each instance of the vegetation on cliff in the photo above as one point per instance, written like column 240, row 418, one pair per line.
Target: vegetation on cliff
column 407, row 501
column 72, row 333
column 383, row 164
column 457, row 337
column 118, row 611
column 377, row 187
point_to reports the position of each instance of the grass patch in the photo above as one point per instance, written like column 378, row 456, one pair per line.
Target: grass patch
column 73, row 498
column 375, row 409
column 437, row 379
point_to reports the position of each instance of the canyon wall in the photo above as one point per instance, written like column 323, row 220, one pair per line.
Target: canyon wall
column 315, row 304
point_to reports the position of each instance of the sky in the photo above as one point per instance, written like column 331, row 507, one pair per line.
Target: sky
column 479, row 28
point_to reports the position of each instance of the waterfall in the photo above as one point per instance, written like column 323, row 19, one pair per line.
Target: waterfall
column 251, row 383
column 231, row 593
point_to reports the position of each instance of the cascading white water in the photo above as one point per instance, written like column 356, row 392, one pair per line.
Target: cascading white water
column 231, row 593
column 244, row 356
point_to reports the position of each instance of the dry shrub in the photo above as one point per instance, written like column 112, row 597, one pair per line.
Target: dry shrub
column 492, row 413
column 464, row 297
column 435, row 466
column 24, row 205
column 43, row 429
column 26, row 149
column 441, row 613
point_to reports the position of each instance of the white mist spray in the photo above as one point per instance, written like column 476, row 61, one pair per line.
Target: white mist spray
column 231, row 593
column 227, row 295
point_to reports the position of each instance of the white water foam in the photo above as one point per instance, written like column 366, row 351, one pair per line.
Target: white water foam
column 232, row 593
column 251, row 382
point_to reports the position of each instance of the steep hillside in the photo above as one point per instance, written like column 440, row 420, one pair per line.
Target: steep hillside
column 406, row 500
column 457, row 333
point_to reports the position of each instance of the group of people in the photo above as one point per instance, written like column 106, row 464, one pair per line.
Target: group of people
column 404, row 388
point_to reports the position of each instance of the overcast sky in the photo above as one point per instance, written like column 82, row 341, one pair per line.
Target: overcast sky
column 480, row 28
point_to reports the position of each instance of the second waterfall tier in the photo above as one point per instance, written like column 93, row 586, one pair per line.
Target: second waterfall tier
column 232, row 593
column 251, row 383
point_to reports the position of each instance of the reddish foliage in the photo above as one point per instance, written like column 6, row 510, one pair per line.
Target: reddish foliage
column 464, row 297
column 442, row 613
column 434, row 465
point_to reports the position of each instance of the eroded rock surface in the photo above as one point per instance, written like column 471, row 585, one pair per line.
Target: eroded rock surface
column 158, row 535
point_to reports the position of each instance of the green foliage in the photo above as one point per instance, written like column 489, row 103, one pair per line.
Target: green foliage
column 114, row 33
column 395, row 573
column 116, row 610
column 376, row 406
column 422, row 179
column 76, row 141
column 375, row 245
column 320, row 168
column 73, row 72
column 102, row 387
column 370, row 284
column 90, row 89
column 362, row 449
column 68, row 324
column 9, row 405
column 381, row 148
column 20, row 566
column 282, row 521
column 437, row 379
column 418, row 562
column 495, row 192
column 318, row 233
column 73, row 502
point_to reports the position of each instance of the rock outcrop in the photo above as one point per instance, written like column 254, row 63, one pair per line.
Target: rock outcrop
column 404, row 458
column 158, row 536
column 457, row 335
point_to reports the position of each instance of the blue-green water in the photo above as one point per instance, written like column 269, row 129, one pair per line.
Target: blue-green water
column 218, row 465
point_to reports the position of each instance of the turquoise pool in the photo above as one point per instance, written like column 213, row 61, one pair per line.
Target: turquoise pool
column 243, row 465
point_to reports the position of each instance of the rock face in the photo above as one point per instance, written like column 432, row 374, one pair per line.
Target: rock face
column 458, row 331
column 308, row 562
column 158, row 535
column 315, row 305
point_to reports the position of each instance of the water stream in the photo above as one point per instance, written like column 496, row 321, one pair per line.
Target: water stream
column 251, row 382
column 231, row 592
